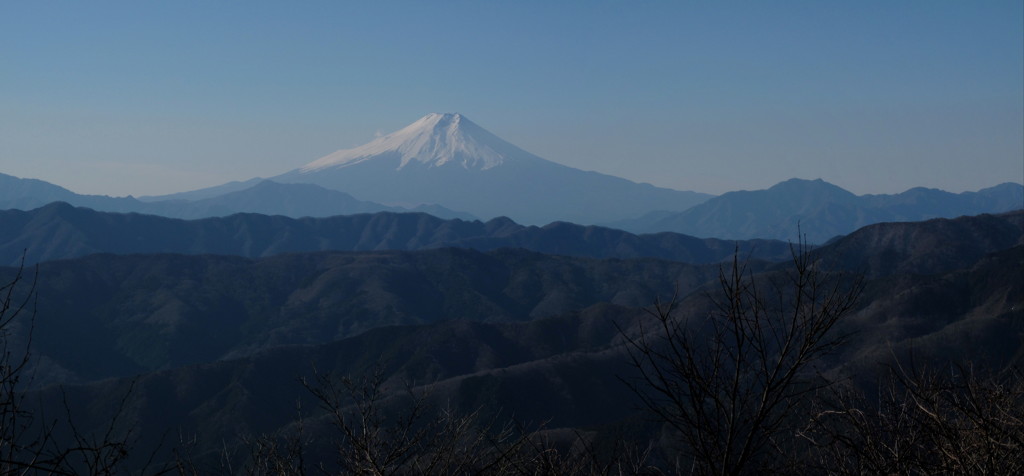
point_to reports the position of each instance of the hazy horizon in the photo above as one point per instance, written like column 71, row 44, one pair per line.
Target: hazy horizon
column 137, row 99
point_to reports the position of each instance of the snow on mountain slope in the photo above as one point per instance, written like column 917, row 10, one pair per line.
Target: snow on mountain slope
column 447, row 160
column 435, row 140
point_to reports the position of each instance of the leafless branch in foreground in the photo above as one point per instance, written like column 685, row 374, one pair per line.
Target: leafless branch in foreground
column 734, row 384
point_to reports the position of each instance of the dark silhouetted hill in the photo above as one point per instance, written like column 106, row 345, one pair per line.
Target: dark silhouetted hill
column 60, row 231
column 928, row 247
column 108, row 315
column 219, row 342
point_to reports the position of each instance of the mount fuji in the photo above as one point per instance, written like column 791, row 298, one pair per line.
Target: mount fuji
column 447, row 160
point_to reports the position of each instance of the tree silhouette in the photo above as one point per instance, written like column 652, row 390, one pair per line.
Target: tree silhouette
column 30, row 443
column 732, row 385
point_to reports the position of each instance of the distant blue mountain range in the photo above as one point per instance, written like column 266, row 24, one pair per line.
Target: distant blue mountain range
column 820, row 211
column 253, row 196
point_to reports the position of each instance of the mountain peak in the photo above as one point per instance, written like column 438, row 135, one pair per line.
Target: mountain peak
column 435, row 140
column 816, row 186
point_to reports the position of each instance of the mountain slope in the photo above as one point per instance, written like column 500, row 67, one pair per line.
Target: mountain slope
column 108, row 315
column 60, row 231
column 133, row 313
column 563, row 368
column 448, row 160
column 204, row 193
column 923, row 248
column 26, row 194
column 435, row 140
column 821, row 210
column 558, row 370
column 293, row 200
column 253, row 196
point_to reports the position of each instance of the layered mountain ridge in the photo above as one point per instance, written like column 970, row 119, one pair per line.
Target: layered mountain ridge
column 252, row 196
column 218, row 342
column 447, row 165
column 61, row 231
column 820, row 210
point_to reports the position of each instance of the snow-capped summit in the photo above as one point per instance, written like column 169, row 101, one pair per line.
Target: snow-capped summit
column 447, row 160
column 434, row 140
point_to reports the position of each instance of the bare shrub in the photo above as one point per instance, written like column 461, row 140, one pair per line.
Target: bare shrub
column 732, row 385
column 924, row 422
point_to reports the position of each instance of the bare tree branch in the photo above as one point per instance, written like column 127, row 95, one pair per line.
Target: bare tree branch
column 732, row 384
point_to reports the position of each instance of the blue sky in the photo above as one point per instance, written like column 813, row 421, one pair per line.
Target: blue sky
column 155, row 97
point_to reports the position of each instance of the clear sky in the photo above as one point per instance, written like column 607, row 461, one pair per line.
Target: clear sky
column 141, row 97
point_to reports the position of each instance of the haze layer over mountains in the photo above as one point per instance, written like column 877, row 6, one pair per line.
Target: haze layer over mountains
column 449, row 167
